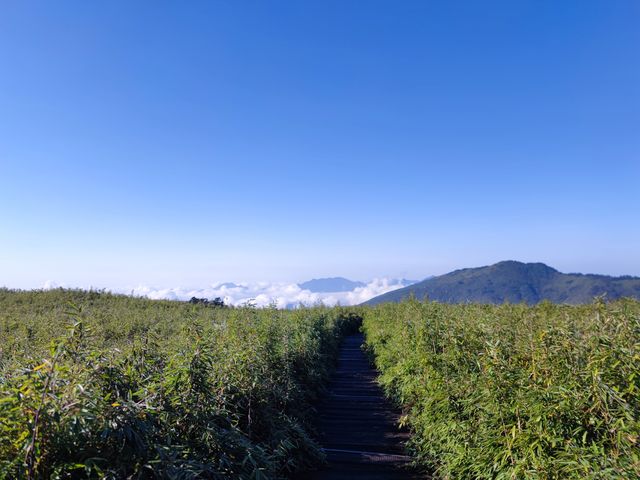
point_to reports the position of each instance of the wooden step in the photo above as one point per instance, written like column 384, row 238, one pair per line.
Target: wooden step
column 358, row 427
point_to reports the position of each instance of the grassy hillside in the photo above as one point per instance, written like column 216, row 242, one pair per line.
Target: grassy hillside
column 510, row 391
column 104, row 386
column 515, row 282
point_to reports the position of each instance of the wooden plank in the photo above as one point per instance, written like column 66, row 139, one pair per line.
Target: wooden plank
column 358, row 427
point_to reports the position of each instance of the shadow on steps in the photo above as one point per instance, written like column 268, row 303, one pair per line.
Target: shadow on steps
column 358, row 427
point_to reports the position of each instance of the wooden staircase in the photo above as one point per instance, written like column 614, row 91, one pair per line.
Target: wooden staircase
column 358, row 427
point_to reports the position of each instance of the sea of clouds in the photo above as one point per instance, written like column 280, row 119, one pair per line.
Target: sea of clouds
column 262, row 294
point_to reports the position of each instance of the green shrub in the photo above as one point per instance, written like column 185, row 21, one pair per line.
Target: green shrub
column 126, row 387
column 546, row 392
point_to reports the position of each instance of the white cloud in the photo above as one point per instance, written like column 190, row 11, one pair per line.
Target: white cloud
column 50, row 284
column 263, row 293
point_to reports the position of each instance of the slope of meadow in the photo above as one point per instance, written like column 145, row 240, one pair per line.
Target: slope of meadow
column 106, row 386
column 510, row 391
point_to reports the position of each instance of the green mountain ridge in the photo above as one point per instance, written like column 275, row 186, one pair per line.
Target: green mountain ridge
column 515, row 282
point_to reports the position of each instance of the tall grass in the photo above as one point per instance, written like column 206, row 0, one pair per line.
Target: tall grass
column 94, row 385
column 497, row 392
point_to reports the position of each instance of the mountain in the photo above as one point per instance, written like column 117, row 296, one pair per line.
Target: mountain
column 330, row 285
column 515, row 282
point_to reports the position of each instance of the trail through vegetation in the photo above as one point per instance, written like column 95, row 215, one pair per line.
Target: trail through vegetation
column 95, row 385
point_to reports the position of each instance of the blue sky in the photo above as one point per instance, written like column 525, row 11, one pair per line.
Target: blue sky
column 182, row 143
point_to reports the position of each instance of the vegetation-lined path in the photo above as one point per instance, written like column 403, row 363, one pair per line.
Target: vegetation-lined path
column 358, row 427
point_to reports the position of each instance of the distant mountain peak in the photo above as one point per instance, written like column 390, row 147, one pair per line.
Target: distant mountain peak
column 330, row 285
column 514, row 264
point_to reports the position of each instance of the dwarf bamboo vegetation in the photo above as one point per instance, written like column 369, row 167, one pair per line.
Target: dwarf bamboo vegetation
column 95, row 385
column 510, row 391
column 105, row 386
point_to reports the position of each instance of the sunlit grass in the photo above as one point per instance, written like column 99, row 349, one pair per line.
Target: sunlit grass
column 546, row 392
column 106, row 386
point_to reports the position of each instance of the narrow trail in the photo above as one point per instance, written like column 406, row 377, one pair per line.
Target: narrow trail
column 357, row 425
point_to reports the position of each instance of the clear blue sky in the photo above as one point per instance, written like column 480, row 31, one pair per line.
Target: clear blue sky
column 188, row 142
